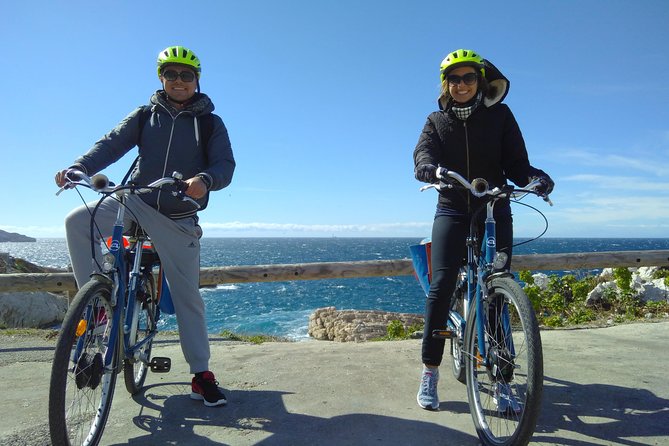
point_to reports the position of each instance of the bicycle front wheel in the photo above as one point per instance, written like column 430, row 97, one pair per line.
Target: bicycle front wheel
column 504, row 387
column 143, row 326
column 81, row 387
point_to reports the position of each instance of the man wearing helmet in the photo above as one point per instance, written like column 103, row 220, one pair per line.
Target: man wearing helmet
column 477, row 136
column 176, row 132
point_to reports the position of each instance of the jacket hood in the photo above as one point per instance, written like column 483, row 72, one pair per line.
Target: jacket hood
column 498, row 87
column 199, row 105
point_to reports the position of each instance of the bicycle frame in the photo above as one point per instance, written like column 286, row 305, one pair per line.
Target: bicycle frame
column 479, row 270
column 121, row 289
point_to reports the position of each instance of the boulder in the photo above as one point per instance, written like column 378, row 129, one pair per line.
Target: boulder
column 31, row 309
column 331, row 324
column 642, row 284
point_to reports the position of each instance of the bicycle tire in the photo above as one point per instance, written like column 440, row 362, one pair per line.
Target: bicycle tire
column 135, row 369
column 457, row 341
column 81, row 393
column 521, row 373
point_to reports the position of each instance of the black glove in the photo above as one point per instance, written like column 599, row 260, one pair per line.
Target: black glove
column 427, row 173
column 547, row 183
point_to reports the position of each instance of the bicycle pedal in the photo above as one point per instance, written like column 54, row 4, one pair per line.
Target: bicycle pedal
column 160, row 364
column 443, row 334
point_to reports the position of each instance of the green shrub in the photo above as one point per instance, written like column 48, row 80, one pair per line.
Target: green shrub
column 562, row 303
column 623, row 278
column 395, row 331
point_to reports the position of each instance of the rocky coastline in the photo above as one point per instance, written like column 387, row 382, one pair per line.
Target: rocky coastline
column 29, row 309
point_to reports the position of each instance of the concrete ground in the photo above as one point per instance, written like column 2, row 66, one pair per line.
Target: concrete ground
column 604, row 386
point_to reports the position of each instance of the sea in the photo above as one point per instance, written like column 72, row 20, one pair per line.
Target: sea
column 283, row 308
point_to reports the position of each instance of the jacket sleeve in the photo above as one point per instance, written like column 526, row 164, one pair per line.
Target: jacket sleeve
column 221, row 162
column 112, row 146
column 427, row 149
column 514, row 153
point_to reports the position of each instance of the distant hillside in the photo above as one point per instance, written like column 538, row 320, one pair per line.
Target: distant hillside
column 13, row 237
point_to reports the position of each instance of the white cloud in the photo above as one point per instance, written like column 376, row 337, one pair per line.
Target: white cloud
column 639, row 163
column 373, row 229
column 619, row 184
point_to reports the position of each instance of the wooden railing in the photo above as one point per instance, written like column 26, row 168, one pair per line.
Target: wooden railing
column 61, row 282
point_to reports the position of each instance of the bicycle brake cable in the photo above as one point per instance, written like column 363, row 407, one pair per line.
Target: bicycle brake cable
column 542, row 216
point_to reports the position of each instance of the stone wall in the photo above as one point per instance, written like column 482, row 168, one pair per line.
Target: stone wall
column 330, row 324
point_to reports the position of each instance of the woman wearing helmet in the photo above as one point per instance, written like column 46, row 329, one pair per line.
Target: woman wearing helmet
column 177, row 131
column 477, row 136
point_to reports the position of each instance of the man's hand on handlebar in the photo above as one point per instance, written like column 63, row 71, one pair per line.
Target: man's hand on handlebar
column 63, row 177
column 195, row 188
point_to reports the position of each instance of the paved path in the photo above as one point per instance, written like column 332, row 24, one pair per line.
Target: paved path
column 604, row 386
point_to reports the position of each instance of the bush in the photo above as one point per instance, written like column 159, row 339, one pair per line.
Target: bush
column 396, row 331
column 562, row 303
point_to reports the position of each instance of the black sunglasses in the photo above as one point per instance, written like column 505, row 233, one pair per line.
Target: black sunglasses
column 186, row 76
column 469, row 79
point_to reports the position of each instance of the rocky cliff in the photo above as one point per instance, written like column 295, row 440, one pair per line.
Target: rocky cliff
column 14, row 237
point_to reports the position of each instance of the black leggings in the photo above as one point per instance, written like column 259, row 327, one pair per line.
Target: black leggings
column 449, row 235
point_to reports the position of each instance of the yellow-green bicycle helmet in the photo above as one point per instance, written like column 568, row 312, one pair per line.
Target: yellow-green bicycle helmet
column 459, row 58
column 179, row 55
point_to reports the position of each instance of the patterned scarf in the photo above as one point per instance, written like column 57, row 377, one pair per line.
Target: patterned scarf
column 464, row 111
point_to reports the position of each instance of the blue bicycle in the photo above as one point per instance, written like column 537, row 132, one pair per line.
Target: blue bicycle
column 495, row 340
column 111, row 323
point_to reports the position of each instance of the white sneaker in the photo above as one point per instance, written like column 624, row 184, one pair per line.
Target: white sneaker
column 427, row 393
column 505, row 399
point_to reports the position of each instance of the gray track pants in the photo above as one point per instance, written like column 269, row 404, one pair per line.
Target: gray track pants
column 178, row 245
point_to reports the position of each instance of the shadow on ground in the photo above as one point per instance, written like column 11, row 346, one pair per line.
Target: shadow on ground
column 260, row 418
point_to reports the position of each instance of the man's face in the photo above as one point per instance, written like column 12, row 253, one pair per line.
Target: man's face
column 178, row 89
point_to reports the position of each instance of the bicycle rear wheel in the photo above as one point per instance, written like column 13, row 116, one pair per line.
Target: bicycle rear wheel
column 81, row 388
column 135, row 368
column 505, row 388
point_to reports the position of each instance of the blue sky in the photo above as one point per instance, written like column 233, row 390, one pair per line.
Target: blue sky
column 324, row 103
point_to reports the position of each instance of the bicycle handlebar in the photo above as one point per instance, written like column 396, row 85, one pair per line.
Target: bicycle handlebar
column 101, row 184
column 479, row 187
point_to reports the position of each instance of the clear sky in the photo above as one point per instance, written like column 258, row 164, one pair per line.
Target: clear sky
column 324, row 103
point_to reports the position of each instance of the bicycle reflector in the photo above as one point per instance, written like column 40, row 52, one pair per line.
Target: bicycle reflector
column 81, row 328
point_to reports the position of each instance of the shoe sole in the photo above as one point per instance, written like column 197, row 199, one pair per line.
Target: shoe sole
column 428, row 407
column 198, row 397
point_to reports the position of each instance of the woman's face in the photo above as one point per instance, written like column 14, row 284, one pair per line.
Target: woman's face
column 461, row 92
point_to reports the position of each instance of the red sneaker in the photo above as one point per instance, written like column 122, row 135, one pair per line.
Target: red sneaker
column 205, row 388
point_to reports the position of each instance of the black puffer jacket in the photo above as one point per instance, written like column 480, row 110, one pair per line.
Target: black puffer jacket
column 487, row 145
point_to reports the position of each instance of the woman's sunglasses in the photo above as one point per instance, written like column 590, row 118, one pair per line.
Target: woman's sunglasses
column 186, row 76
column 469, row 79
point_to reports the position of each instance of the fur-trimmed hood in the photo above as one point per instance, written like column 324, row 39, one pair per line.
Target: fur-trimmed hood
column 498, row 86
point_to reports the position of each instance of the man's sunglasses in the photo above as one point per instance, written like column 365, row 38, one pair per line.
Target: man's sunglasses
column 186, row 76
column 469, row 79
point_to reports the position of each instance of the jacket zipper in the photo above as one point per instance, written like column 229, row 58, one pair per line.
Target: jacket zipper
column 469, row 196
column 167, row 154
